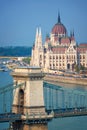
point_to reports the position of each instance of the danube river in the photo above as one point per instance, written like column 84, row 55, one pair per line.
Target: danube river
column 71, row 123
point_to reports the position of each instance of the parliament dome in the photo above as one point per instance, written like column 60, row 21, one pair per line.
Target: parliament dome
column 59, row 28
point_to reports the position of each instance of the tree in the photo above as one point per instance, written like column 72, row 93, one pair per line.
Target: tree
column 82, row 67
column 27, row 60
column 76, row 68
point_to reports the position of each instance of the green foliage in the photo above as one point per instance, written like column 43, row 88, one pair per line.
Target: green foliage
column 82, row 67
column 77, row 68
column 15, row 51
column 27, row 60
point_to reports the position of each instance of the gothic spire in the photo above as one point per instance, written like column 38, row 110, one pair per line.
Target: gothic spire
column 59, row 20
column 40, row 31
column 36, row 38
column 73, row 33
column 37, row 32
column 70, row 33
column 40, row 38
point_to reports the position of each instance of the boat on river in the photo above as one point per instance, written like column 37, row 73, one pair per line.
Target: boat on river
column 3, row 69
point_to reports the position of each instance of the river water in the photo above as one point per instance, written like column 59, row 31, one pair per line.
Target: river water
column 69, row 123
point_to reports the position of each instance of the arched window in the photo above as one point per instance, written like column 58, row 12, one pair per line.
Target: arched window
column 83, row 56
column 63, row 57
column 40, row 56
column 50, row 57
column 21, row 101
column 53, row 57
column 56, row 57
column 60, row 57
column 56, row 64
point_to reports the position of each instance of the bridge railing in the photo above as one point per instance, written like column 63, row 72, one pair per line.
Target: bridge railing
column 37, row 116
column 58, row 97
column 6, row 96
column 6, row 117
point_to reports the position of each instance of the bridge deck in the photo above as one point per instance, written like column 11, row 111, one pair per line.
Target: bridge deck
column 6, row 117
column 70, row 114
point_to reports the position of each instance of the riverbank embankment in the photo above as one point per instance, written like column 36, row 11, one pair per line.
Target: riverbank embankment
column 63, row 79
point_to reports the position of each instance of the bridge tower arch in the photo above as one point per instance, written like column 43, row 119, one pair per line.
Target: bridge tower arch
column 21, row 101
column 29, row 99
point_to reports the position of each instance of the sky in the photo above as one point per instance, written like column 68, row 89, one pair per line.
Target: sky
column 20, row 18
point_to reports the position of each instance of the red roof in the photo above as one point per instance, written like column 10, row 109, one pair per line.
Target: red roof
column 47, row 39
column 59, row 29
column 72, row 38
column 56, row 38
column 65, row 40
column 82, row 50
column 58, row 49
column 83, row 44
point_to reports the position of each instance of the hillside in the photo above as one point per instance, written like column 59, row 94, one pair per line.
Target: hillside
column 15, row 51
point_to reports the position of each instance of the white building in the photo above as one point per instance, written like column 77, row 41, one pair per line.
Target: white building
column 60, row 51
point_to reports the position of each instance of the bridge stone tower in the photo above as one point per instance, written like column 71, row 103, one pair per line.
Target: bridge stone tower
column 29, row 99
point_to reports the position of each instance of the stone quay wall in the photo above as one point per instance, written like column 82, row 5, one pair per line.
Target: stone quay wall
column 63, row 79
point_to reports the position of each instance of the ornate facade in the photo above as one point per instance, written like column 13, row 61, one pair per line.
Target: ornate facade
column 60, row 51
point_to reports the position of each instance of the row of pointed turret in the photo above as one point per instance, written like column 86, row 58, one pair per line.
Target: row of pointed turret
column 38, row 39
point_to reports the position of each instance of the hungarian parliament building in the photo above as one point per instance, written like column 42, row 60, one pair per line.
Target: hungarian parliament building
column 59, row 51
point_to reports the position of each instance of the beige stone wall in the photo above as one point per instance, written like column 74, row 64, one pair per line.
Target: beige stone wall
column 34, row 96
column 32, row 88
column 56, row 79
column 35, row 127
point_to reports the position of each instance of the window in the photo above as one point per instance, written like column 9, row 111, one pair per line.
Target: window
column 59, row 57
column 56, row 57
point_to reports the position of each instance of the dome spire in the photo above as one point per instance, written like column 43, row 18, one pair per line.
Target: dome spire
column 70, row 33
column 73, row 33
column 59, row 20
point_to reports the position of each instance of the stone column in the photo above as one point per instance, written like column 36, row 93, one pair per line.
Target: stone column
column 35, row 127
column 29, row 99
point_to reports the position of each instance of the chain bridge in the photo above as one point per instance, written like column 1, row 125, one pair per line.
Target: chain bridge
column 31, row 101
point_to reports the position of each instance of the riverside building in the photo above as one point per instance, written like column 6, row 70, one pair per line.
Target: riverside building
column 59, row 51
